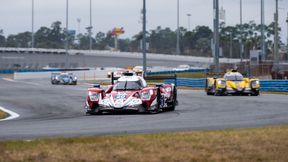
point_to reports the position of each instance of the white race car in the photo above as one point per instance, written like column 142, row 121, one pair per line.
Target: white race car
column 63, row 78
column 131, row 93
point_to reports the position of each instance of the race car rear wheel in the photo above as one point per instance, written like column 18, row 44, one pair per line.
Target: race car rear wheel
column 209, row 93
column 158, row 105
column 174, row 102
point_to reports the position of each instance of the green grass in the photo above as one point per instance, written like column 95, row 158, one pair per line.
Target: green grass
column 260, row 144
column 2, row 115
column 186, row 75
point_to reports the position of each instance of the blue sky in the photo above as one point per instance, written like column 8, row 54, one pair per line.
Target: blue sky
column 15, row 15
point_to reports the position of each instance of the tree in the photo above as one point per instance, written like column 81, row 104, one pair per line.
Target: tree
column 21, row 40
column 162, row 40
column 84, row 41
column 100, row 41
column 251, row 37
column 53, row 37
column 42, row 38
column 2, row 41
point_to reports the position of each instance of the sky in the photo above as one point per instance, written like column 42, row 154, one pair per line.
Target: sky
column 15, row 15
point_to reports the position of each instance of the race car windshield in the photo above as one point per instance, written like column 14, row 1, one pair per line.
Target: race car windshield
column 128, row 85
column 234, row 77
column 64, row 76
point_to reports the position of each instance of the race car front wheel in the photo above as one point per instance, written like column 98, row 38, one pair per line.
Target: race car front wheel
column 255, row 93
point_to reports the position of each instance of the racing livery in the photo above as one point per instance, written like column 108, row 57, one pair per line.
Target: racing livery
column 63, row 78
column 233, row 83
column 131, row 93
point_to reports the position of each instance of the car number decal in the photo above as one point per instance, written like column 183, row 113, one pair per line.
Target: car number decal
column 120, row 96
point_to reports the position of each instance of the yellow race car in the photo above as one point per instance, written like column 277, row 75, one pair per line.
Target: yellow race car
column 232, row 83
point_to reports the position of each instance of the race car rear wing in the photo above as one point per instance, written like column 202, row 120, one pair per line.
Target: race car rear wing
column 113, row 78
column 55, row 74
column 162, row 78
column 214, row 75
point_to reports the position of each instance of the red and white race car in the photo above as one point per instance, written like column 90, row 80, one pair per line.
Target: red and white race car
column 131, row 93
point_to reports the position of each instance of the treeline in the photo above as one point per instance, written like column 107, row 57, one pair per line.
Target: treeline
column 161, row 40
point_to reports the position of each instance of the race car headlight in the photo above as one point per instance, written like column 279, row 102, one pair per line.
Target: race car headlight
column 222, row 83
column 94, row 96
column 255, row 83
column 147, row 95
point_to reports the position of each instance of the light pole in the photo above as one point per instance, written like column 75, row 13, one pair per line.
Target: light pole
column 66, row 35
column 90, row 27
column 79, row 25
column 216, row 35
column 144, row 38
column 32, row 34
column 231, row 44
column 276, row 36
column 287, row 34
column 189, row 21
column 178, row 31
column 241, row 32
column 262, row 32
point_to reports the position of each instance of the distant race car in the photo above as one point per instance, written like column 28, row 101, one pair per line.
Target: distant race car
column 116, row 73
column 63, row 78
column 182, row 68
column 233, row 83
column 131, row 93
column 139, row 70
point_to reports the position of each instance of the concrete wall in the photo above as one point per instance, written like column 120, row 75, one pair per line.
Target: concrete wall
column 81, row 75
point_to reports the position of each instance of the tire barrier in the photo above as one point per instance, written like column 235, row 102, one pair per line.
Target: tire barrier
column 274, row 85
column 265, row 85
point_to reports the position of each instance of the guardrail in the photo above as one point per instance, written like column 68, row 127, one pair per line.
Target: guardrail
column 37, row 70
column 265, row 85
column 26, row 70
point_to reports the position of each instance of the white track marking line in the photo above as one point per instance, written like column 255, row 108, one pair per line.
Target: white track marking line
column 12, row 115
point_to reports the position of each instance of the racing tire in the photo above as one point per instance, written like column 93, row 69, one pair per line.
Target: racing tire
column 207, row 88
column 93, row 113
column 157, row 108
column 209, row 93
column 175, row 102
column 256, row 93
column 216, row 93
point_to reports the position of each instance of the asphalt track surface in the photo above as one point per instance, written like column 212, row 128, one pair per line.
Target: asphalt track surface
column 57, row 111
